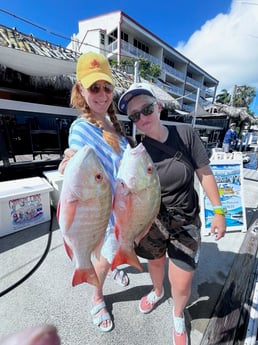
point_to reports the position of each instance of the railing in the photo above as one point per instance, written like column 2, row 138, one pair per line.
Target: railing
column 193, row 82
column 129, row 48
column 174, row 72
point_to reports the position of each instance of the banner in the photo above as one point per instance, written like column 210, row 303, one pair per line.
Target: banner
column 228, row 174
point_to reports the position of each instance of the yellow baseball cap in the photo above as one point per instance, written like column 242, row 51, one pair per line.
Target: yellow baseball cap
column 92, row 67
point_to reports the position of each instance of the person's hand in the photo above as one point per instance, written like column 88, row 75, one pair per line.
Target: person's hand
column 37, row 335
column 68, row 153
column 218, row 226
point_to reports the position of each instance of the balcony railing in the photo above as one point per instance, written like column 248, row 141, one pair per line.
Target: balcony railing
column 174, row 72
column 129, row 48
column 170, row 88
column 193, row 82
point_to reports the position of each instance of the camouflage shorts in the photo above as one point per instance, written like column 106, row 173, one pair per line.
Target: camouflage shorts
column 174, row 235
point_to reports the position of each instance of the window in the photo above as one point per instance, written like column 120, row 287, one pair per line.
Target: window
column 124, row 36
column 141, row 46
column 102, row 38
column 112, row 36
column 169, row 62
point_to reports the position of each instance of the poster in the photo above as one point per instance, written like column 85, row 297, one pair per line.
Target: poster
column 229, row 178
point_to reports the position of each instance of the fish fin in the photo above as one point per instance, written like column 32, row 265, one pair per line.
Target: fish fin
column 144, row 232
column 126, row 257
column 116, row 230
column 141, row 236
column 68, row 250
column 97, row 251
column 85, row 276
column 58, row 211
column 70, row 213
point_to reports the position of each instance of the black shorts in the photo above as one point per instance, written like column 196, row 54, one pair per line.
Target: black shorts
column 180, row 238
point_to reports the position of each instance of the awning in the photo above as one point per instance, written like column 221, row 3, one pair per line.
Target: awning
column 34, row 65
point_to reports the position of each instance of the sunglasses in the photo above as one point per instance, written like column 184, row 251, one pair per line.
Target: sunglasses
column 146, row 111
column 106, row 87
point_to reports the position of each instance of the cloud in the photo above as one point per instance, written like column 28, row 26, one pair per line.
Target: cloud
column 227, row 46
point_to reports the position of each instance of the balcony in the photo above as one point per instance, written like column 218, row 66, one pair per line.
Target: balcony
column 129, row 48
column 172, row 71
column 193, row 82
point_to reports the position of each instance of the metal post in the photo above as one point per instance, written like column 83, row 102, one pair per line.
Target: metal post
column 196, row 107
column 136, row 80
column 136, row 72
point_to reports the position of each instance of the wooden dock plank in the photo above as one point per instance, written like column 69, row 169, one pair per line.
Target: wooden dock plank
column 250, row 174
column 228, row 313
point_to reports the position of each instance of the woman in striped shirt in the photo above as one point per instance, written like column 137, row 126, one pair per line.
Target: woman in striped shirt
column 98, row 127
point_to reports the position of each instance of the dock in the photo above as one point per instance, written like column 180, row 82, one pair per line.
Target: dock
column 219, row 303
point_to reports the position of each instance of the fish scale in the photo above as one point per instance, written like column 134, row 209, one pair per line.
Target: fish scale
column 83, row 212
column 136, row 202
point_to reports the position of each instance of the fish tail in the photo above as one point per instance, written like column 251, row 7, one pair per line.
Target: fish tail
column 85, row 276
column 126, row 257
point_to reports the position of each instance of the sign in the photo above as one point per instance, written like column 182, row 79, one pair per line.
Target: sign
column 228, row 174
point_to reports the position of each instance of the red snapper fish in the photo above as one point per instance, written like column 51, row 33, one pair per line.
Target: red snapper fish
column 83, row 212
column 136, row 202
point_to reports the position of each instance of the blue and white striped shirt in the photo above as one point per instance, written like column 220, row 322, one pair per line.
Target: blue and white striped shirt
column 82, row 132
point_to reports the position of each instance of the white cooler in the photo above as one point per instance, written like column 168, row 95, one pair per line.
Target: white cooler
column 56, row 180
column 23, row 203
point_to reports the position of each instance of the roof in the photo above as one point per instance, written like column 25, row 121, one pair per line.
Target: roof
column 49, row 64
column 236, row 113
column 200, row 112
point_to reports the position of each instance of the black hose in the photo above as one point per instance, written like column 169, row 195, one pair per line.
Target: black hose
column 22, row 280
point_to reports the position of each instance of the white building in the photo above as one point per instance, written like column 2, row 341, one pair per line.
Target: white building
column 119, row 36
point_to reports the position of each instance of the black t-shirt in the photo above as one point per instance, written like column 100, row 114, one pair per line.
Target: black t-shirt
column 177, row 175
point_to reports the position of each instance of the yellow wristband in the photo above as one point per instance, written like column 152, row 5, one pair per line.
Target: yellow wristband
column 218, row 210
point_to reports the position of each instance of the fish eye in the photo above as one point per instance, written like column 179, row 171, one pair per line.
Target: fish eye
column 149, row 169
column 98, row 177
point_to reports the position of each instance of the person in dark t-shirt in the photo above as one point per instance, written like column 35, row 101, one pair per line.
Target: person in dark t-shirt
column 178, row 155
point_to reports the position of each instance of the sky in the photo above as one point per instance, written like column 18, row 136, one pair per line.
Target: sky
column 220, row 36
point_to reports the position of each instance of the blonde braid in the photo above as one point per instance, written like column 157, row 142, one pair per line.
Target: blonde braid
column 117, row 126
column 113, row 118
column 111, row 138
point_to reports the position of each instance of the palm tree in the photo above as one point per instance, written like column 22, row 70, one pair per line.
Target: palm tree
column 223, row 97
column 243, row 96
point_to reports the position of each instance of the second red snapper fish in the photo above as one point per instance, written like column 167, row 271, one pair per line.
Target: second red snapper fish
column 136, row 202
column 83, row 211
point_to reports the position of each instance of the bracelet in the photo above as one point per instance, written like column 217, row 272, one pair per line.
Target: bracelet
column 218, row 210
